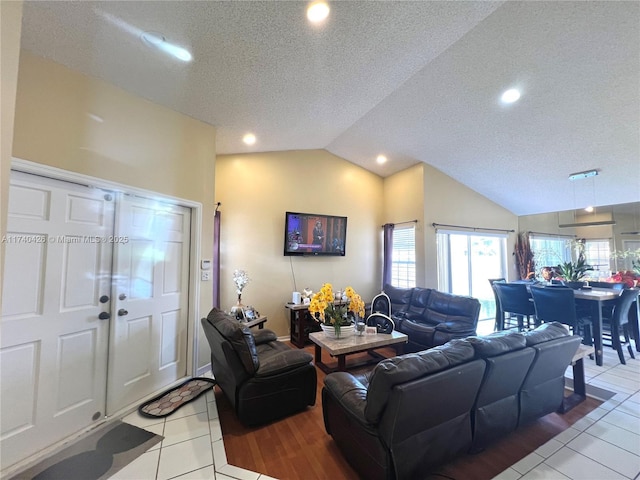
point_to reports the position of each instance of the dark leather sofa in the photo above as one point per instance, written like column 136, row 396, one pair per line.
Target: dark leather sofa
column 264, row 379
column 416, row 411
column 430, row 317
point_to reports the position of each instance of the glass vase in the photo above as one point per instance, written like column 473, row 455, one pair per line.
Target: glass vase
column 238, row 309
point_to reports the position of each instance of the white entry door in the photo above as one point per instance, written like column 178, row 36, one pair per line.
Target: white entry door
column 57, row 281
column 148, row 349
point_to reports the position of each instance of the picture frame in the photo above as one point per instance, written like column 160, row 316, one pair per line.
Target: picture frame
column 249, row 313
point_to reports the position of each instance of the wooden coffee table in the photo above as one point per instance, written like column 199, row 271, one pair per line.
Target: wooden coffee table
column 342, row 347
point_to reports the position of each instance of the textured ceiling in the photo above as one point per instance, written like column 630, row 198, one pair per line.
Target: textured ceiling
column 415, row 81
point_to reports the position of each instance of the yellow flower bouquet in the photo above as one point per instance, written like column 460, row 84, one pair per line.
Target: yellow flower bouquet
column 331, row 312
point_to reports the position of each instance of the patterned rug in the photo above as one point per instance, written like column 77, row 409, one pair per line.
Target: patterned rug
column 168, row 402
column 96, row 456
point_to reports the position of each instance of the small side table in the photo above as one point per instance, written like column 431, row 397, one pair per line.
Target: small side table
column 301, row 324
column 260, row 321
column 579, row 388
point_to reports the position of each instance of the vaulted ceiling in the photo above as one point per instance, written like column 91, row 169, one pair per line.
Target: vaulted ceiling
column 414, row 81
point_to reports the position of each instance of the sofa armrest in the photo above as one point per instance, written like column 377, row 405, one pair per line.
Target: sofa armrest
column 349, row 393
column 398, row 319
column 283, row 362
column 455, row 327
column 264, row 336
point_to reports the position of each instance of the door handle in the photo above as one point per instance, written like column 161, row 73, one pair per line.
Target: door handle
column 104, row 316
column 122, row 312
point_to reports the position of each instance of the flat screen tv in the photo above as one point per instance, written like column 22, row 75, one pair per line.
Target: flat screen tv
column 314, row 234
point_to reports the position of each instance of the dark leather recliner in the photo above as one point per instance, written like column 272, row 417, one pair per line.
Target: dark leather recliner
column 430, row 317
column 396, row 423
column 264, row 379
column 412, row 413
column 523, row 381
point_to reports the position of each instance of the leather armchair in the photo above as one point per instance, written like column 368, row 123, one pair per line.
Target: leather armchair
column 263, row 378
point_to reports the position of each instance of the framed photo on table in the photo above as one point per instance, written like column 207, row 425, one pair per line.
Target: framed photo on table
column 249, row 313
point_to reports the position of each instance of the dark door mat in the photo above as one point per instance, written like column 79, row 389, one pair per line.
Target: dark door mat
column 168, row 402
column 96, row 456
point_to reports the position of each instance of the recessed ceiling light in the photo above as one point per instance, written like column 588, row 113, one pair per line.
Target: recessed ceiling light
column 589, row 209
column 249, row 139
column 156, row 40
column 510, row 96
column 381, row 159
column 317, row 11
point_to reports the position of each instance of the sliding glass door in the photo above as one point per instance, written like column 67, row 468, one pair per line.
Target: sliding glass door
column 466, row 262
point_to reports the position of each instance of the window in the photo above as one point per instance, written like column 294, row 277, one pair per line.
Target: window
column 632, row 253
column 598, row 254
column 466, row 262
column 403, row 258
column 550, row 250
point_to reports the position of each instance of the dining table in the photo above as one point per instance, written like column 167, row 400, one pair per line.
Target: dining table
column 594, row 299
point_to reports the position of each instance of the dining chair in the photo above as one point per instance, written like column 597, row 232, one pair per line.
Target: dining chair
column 558, row 304
column 634, row 323
column 617, row 324
column 499, row 318
column 515, row 300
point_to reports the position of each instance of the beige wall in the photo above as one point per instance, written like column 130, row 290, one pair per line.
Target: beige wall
column 543, row 223
column 404, row 202
column 10, row 26
column 256, row 190
column 449, row 202
column 84, row 125
column 77, row 123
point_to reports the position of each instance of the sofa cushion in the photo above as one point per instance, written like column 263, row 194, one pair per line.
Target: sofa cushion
column 240, row 338
column 418, row 304
column 497, row 343
column 546, row 332
column 419, row 333
column 445, row 307
column 282, row 361
column 405, row 368
column 264, row 336
column 400, row 298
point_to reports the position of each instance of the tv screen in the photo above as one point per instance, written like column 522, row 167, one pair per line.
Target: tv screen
column 314, row 234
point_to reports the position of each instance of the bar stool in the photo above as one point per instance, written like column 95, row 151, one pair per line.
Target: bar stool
column 558, row 304
column 515, row 300
column 499, row 325
column 618, row 322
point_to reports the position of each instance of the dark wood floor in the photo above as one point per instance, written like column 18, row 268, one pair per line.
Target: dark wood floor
column 298, row 447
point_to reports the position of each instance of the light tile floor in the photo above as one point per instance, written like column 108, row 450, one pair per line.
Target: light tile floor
column 605, row 444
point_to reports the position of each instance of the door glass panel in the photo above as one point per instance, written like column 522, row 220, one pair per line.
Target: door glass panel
column 472, row 259
column 486, row 262
column 459, row 261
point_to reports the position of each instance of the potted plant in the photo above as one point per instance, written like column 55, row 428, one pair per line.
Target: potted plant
column 334, row 315
column 572, row 273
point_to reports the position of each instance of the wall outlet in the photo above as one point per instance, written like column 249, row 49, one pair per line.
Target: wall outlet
column 205, row 276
